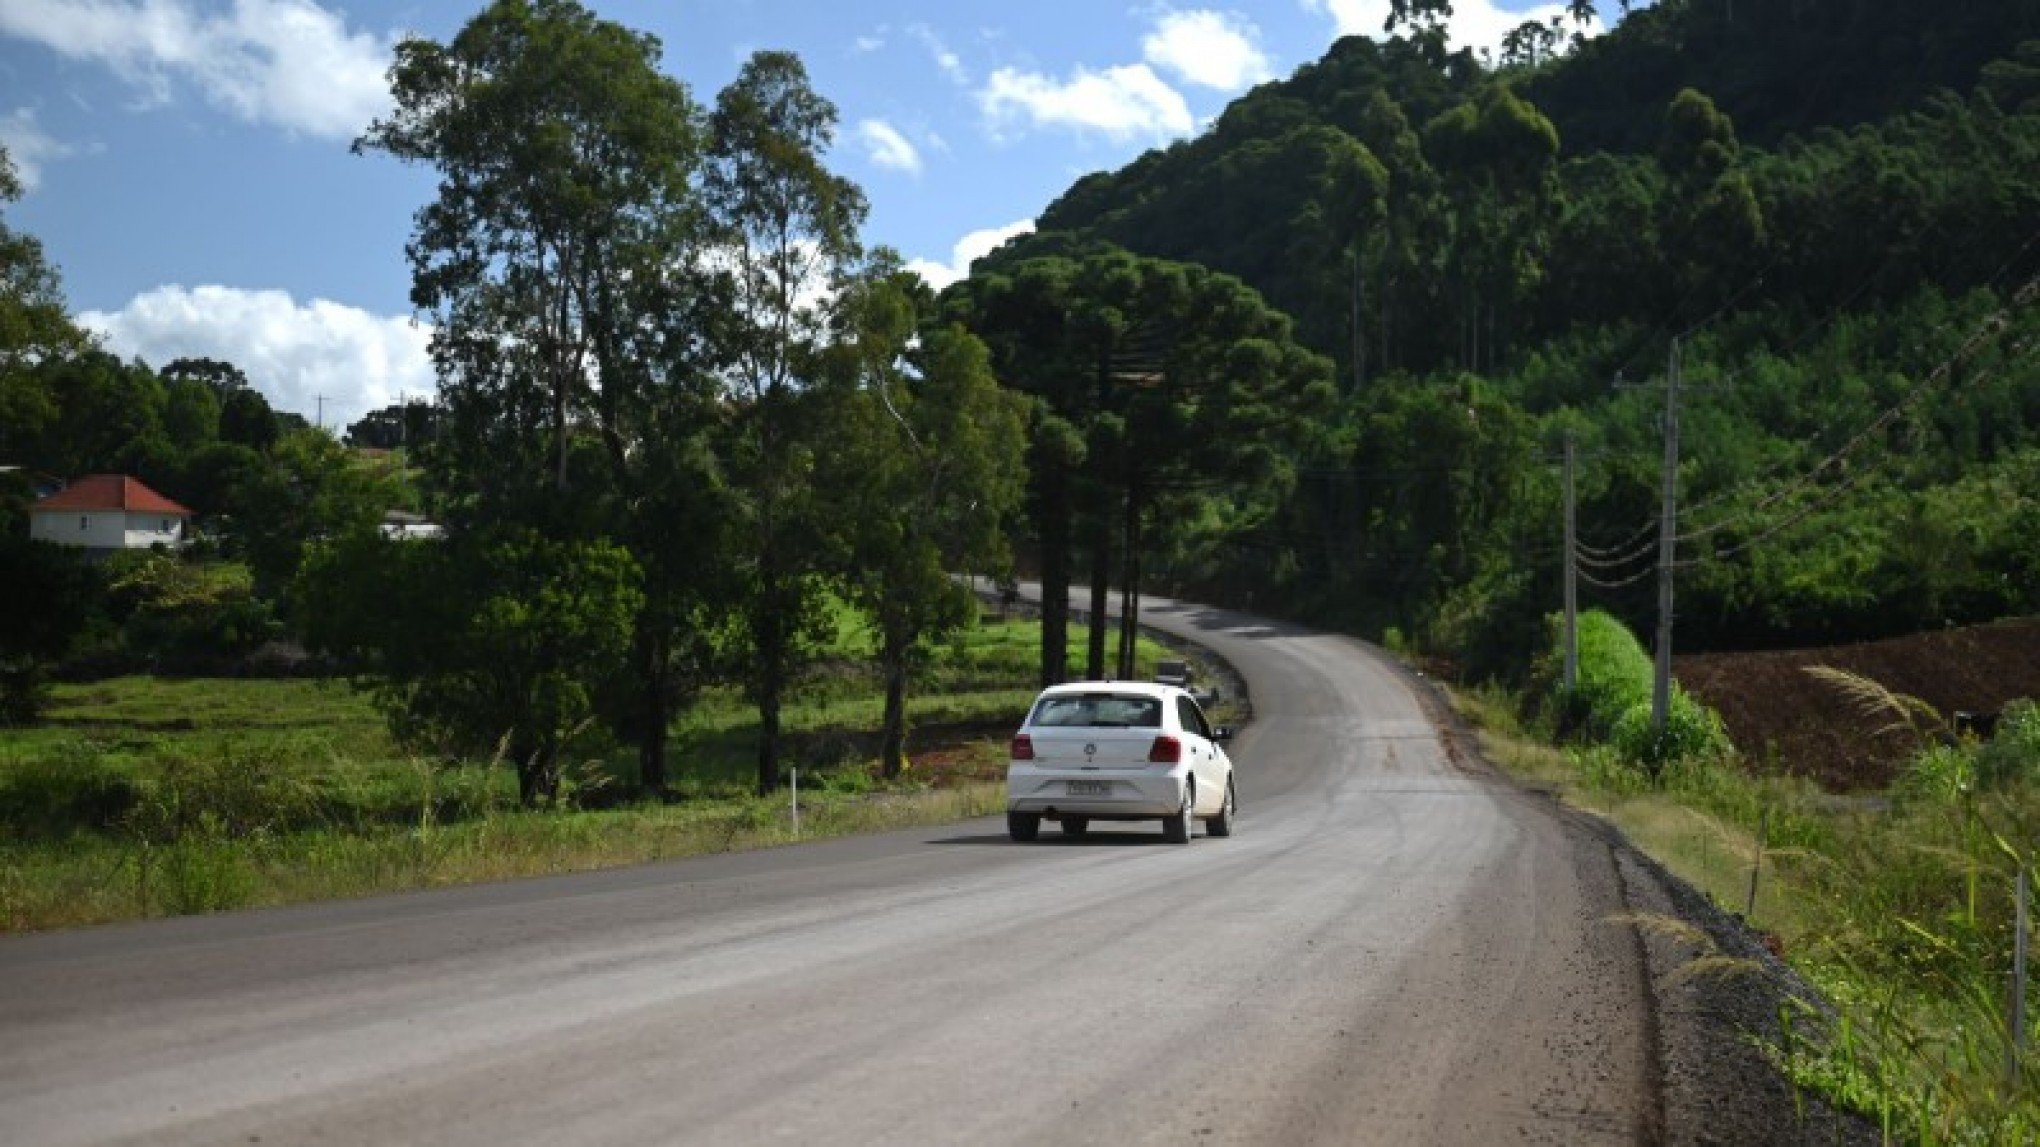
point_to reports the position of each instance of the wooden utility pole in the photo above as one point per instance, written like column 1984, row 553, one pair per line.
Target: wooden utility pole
column 1572, row 570
column 1668, row 532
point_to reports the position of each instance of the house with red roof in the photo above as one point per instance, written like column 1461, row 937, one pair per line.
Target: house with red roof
column 108, row 512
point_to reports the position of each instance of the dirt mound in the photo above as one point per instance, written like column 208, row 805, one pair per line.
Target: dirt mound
column 1785, row 720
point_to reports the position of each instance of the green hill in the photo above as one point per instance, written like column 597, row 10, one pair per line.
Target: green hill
column 1833, row 203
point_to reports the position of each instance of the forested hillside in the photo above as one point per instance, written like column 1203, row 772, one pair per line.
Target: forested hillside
column 1832, row 206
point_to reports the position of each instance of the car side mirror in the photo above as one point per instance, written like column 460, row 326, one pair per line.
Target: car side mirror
column 1222, row 733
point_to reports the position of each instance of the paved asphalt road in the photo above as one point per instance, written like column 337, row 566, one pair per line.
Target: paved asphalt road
column 1393, row 950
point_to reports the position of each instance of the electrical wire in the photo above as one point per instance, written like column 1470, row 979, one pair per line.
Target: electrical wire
column 1620, row 583
column 1991, row 328
column 1624, row 562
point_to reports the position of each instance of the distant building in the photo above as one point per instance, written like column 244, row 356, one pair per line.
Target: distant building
column 108, row 512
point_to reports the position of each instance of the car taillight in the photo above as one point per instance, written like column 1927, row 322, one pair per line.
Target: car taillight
column 1023, row 747
column 1167, row 751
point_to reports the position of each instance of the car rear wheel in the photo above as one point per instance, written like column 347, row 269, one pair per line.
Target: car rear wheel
column 1221, row 825
column 1176, row 829
column 1023, row 826
column 1076, row 825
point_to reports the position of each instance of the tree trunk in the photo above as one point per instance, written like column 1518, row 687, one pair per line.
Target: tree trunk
column 1101, row 593
column 1055, row 578
column 1387, row 305
column 1129, row 594
column 538, row 772
column 771, row 630
column 654, row 681
column 893, row 740
column 1359, row 319
column 559, row 418
column 768, row 734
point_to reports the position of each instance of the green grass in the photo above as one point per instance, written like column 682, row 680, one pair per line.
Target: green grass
column 1900, row 911
column 143, row 796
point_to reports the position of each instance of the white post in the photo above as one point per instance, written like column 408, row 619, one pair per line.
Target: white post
column 796, row 803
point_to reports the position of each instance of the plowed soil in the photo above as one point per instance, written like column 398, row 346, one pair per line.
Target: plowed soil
column 1786, row 720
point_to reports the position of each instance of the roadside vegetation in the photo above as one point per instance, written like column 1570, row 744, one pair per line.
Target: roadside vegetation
column 144, row 796
column 1898, row 907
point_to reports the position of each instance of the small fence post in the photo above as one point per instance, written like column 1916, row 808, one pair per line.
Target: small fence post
column 1757, row 864
column 796, row 803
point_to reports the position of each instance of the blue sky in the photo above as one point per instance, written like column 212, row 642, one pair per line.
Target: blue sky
column 188, row 170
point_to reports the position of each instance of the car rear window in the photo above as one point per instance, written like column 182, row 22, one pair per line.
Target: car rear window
column 1097, row 711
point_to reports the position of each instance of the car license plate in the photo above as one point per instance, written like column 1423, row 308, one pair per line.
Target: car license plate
column 1090, row 788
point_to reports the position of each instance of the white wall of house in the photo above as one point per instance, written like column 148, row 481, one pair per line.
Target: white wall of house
column 105, row 529
column 145, row 530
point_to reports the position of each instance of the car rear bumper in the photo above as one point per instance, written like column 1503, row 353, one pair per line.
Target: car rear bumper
column 1133, row 794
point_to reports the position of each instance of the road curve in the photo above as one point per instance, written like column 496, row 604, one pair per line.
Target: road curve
column 1394, row 949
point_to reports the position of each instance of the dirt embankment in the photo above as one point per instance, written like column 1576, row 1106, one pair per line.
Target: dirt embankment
column 1784, row 719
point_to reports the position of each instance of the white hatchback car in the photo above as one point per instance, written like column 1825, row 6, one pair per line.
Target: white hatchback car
column 1119, row 750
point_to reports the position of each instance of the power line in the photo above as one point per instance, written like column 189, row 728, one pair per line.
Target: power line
column 1989, row 330
column 1834, row 495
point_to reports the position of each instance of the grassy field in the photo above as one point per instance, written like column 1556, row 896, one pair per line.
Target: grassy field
column 143, row 796
column 1899, row 908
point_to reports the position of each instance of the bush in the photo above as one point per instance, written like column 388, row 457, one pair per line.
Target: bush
column 1614, row 674
column 1939, row 773
column 1612, row 699
column 231, row 793
column 2013, row 756
column 172, row 607
column 69, row 788
column 1691, row 730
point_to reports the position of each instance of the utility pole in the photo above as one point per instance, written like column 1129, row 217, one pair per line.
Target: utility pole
column 322, row 412
column 1668, row 532
column 1572, row 569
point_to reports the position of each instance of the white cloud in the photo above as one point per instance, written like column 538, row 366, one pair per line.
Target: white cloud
column 946, row 59
column 293, row 353
column 1123, row 103
column 887, row 147
column 1475, row 24
column 1209, row 48
column 289, row 63
column 29, row 146
column 968, row 250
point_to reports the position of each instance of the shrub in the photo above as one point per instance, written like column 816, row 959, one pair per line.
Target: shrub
column 1612, row 699
column 2013, row 756
column 1691, row 730
column 1938, row 773
column 230, row 793
column 62, row 790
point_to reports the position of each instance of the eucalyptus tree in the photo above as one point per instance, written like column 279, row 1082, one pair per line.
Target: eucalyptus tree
column 1501, row 153
column 564, row 265
column 788, row 234
column 927, row 468
column 35, row 325
column 566, row 221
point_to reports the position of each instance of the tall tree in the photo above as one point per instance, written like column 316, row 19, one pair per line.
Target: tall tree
column 1026, row 313
column 221, row 377
column 1201, row 387
column 928, row 465
column 35, row 327
column 564, row 259
column 565, row 157
column 791, row 234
